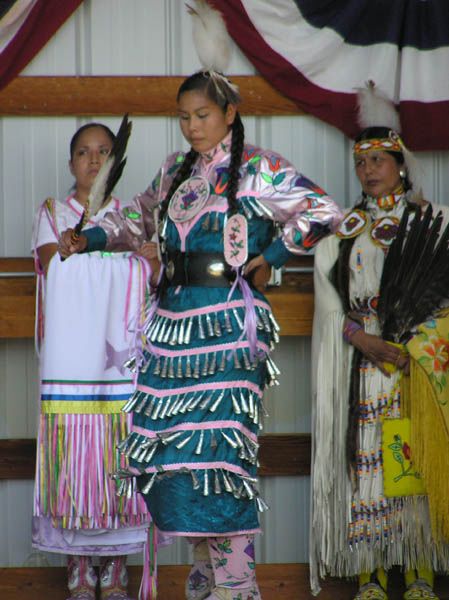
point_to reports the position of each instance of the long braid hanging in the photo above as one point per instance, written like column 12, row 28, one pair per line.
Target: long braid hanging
column 339, row 277
column 181, row 175
column 238, row 140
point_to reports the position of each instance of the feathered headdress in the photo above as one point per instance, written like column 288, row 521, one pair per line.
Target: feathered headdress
column 375, row 109
column 108, row 175
column 213, row 46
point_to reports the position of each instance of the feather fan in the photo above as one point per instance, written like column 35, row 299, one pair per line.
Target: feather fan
column 108, row 175
column 210, row 36
column 415, row 277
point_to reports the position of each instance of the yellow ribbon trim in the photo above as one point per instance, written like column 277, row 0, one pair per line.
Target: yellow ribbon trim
column 82, row 407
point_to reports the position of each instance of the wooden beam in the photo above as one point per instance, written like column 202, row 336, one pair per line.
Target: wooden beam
column 115, row 95
column 292, row 302
column 282, row 581
column 280, row 455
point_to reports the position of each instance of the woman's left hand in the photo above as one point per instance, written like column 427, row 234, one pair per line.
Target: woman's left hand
column 258, row 272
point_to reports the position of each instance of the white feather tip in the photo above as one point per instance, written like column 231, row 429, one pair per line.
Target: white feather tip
column 375, row 109
column 96, row 195
column 210, row 36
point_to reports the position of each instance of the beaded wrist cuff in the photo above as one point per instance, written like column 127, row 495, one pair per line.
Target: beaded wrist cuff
column 349, row 329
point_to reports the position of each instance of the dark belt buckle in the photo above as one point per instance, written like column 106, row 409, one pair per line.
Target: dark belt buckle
column 170, row 270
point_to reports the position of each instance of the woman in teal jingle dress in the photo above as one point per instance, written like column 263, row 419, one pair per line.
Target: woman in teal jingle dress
column 197, row 409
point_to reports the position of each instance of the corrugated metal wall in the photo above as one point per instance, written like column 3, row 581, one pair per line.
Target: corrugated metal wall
column 153, row 37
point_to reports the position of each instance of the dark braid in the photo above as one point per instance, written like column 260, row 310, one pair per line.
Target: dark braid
column 339, row 277
column 181, row 175
column 238, row 140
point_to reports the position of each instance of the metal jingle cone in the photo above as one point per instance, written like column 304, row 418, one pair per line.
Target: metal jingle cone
column 213, row 439
column 255, row 208
column 171, row 368
column 179, row 373
column 195, row 480
column 246, row 361
column 230, row 441
column 215, row 405
column 196, row 368
column 157, row 409
column 216, row 225
column 151, row 452
column 164, row 369
column 237, row 318
column 161, row 333
column 206, row 483
column 205, row 368
column 201, row 334
column 185, row 441
column 174, row 336
column 188, row 333
column 196, row 399
column 247, row 210
column 243, row 402
column 213, row 364
column 171, row 437
column 168, row 332
column 147, row 487
column 227, row 318
column 149, row 408
column 222, row 365
column 142, row 402
column 205, row 225
column 188, row 369
column 199, row 446
column 217, row 326
column 157, row 366
column 206, row 401
column 238, row 439
column 209, row 326
column 181, row 332
column 226, row 482
column 235, row 404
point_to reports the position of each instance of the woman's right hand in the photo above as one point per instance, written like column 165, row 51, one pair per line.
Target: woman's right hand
column 68, row 245
column 378, row 351
column 149, row 250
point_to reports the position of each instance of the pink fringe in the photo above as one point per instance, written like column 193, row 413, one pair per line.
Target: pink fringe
column 76, row 457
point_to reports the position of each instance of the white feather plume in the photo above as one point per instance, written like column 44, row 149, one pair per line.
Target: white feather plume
column 375, row 109
column 210, row 36
column 97, row 191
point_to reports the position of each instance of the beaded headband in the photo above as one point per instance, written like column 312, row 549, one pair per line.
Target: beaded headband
column 392, row 143
column 383, row 144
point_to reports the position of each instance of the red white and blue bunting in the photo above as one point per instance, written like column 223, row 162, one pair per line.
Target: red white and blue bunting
column 25, row 27
column 316, row 52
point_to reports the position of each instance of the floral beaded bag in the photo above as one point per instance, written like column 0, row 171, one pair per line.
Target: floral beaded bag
column 399, row 475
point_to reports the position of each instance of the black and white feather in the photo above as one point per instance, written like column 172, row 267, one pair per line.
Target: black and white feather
column 415, row 278
column 112, row 168
column 108, row 175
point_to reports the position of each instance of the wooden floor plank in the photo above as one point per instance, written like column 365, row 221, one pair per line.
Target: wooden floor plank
column 276, row 581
